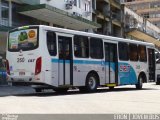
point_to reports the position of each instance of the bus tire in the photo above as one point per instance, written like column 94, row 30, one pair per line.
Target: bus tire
column 38, row 89
column 140, row 82
column 91, row 82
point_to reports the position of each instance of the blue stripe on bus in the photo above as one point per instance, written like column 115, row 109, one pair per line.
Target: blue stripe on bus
column 87, row 62
column 78, row 61
column 125, row 78
column 55, row 60
column 60, row 61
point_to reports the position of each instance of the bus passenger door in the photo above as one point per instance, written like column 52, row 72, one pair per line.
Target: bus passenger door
column 111, row 63
column 151, row 64
column 65, row 72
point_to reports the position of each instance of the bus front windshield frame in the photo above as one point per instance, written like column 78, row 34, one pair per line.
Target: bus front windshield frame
column 23, row 39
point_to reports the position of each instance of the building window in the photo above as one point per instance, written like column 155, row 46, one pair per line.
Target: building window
column 4, row 13
column 81, row 46
column 133, row 53
column 146, row 15
column 51, row 43
column 96, row 48
column 75, row 2
column 123, row 51
column 87, row 7
column 142, row 53
column 94, row 4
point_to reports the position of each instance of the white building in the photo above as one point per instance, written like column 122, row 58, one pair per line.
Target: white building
column 71, row 14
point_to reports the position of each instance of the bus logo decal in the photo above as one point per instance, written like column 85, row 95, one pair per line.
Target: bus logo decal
column 31, row 60
column 124, row 68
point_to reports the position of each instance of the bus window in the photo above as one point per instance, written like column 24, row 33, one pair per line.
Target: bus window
column 123, row 51
column 81, row 47
column 142, row 53
column 107, row 57
column 51, row 43
column 112, row 53
column 25, row 39
column 96, row 48
column 133, row 53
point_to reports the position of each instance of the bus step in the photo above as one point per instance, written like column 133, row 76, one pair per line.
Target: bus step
column 111, row 85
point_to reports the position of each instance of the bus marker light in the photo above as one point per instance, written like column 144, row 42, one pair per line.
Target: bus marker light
column 38, row 65
column 7, row 67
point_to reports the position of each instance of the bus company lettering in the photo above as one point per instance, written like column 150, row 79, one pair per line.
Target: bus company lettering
column 124, row 68
column 31, row 60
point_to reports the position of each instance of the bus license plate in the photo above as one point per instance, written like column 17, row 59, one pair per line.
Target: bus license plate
column 21, row 73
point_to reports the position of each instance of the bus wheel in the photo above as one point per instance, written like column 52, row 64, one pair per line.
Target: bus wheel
column 140, row 82
column 91, row 83
column 38, row 89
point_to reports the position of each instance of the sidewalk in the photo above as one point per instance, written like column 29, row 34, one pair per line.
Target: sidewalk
column 7, row 90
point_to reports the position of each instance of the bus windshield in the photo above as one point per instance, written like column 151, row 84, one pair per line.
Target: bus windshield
column 23, row 40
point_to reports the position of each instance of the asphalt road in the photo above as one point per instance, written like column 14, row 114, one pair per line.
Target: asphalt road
column 126, row 99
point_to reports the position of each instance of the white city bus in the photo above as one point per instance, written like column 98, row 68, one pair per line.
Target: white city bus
column 62, row 59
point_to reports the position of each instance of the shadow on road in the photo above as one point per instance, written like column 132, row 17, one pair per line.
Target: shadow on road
column 77, row 92
column 156, row 84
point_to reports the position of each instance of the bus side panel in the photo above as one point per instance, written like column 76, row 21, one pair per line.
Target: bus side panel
column 142, row 67
column 46, row 63
column 79, row 74
column 50, row 63
column 127, row 74
column 81, row 68
column 54, row 76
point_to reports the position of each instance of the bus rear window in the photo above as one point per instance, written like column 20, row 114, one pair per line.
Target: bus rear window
column 23, row 40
